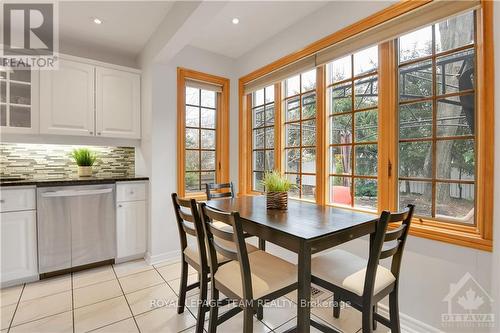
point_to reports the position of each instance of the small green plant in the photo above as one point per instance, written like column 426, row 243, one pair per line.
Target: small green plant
column 84, row 157
column 275, row 182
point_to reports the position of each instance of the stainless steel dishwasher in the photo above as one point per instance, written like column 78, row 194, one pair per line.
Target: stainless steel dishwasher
column 76, row 226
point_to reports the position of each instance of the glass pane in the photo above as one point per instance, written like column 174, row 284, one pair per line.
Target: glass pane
column 455, row 32
column 208, row 139
column 192, row 160
column 258, row 160
column 309, row 187
column 192, row 116
column 20, row 116
column 366, row 60
column 192, row 96
column 365, row 193
column 415, row 120
column 269, row 137
column 257, row 178
column 207, row 118
column 415, row 159
column 341, row 129
column 418, row 194
column 455, row 201
column 455, row 72
column 295, row 180
column 340, row 190
column 192, row 181
column 366, row 126
column 309, row 80
column 3, row 74
column 366, row 160
column 456, row 115
column 415, row 81
column 339, row 70
column 269, row 160
column 366, row 93
column 292, row 86
column 21, row 75
column 270, row 114
column 192, row 138
column 258, row 138
column 292, row 135
column 292, row 159
column 416, row 44
column 309, row 160
column 309, row 106
column 269, row 94
column 292, row 109
column 309, row 133
column 207, row 178
column 455, row 159
column 340, row 160
column 20, row 94
column 3, row 115
column 341, row 97
column 258, row 97
column 208, row 160
column 258, row 117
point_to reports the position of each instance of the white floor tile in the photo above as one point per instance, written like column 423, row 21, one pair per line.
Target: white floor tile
column 46, row 287
column 173, row 271
column 174, row 284
column 10, row 295
column 134, row 282
column 92, row 276
column 96, row 293
column 124, row 326
column 101, row 314
column 6, row 315
column 60, row 323
column 235, row 324
column 151, row 298
column 279, row 312
column 165, row 320
column 131, row 267
column 42, row 307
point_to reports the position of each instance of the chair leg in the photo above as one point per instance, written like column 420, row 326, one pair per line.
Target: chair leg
column 367, row 319
column 374, row 321
column 182, row 288
column 202, row 309
column 336, row 306
column 260, row 310
column 248, row 319
column 394, row 312
column 214, row 311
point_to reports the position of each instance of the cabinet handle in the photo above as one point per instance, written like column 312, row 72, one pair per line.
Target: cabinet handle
column 98, row 133
column 2, row 201
column 91, row 133
column 119, row 206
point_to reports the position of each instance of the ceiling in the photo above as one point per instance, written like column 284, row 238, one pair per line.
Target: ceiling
column 126, row 28
column 259, row 20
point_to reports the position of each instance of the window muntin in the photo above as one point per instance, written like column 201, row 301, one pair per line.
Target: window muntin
column 299, row 109
column 437, row 142
column 262, row 135
column 200, row 138
column 353, row 129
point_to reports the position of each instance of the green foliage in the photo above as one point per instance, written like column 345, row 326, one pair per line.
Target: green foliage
column 275, row 182
column 84, row 157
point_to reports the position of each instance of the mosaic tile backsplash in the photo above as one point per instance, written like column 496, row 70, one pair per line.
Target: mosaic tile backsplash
column 43, row 161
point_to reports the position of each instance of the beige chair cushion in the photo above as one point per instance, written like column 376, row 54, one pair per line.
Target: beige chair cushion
column 191, row 251
column 269, row 274
column 348, row 271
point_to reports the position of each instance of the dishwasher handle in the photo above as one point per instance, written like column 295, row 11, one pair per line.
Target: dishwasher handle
column 75, row 193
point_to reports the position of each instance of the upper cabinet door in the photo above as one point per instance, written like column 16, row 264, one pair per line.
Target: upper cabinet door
column 118, row 105
column 67, row 99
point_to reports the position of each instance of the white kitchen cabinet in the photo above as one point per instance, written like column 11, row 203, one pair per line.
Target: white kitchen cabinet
column 67, row 99
column 117, row 103
column 131, row 221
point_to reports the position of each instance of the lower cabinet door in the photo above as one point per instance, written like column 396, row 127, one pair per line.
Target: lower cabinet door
column 18, row 247
column 130, row 228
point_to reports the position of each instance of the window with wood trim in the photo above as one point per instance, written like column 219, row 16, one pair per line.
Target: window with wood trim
column 299, row 107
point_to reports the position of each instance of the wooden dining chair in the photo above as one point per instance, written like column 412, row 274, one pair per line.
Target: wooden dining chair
column 213, row 190
column 250, row 279
column 364, row 283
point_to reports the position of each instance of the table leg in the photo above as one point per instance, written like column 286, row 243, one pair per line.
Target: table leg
column 304, row 289
column 262, row 244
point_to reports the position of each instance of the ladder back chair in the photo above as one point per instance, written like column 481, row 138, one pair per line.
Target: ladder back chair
column 250, row 279
column 364, row 283
column 213, row 190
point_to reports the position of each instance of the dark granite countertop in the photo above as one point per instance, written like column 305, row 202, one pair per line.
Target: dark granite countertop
column 69, row 181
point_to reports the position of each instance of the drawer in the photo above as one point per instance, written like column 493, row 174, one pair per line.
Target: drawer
column 132, row 191
column 16, row 199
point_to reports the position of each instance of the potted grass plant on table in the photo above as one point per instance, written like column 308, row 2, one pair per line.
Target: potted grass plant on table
column 85, row 159
column 277, row 187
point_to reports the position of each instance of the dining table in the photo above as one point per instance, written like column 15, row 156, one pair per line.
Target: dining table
column 304, row 228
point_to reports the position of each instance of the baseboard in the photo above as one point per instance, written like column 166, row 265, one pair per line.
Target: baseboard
column 16, row 282
column 172, row 256
column 408, row 324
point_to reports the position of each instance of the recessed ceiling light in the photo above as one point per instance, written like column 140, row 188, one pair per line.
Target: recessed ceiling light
column 235, row 20
column 97, row 20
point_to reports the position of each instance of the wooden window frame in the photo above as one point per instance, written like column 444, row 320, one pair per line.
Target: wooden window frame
column 221, row 128
column 478, row 236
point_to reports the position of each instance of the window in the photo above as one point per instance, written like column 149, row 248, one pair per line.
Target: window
column 437, row 143
column 299, row 105
column 353, row 134
column 203, row 154
column 263, row 116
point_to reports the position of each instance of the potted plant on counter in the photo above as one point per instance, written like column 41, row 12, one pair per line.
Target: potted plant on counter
column 277, row 187
column 84, row 158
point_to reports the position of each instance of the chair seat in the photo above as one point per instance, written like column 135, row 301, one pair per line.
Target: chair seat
column 269, row 274
column 191, row 251
column 348, row 271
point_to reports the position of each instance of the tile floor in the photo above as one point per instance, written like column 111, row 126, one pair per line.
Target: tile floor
column 119, row 298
